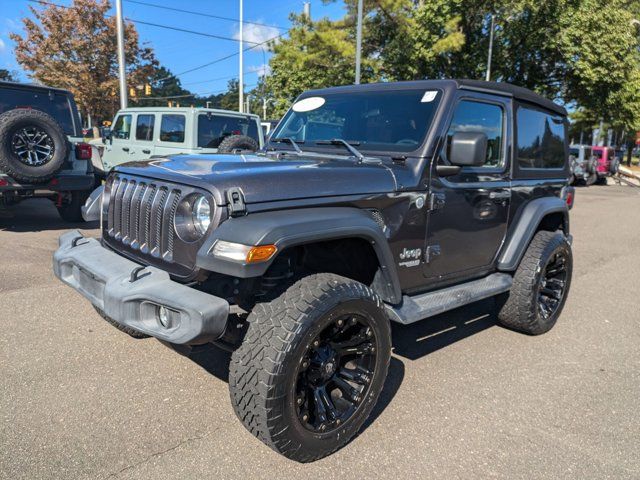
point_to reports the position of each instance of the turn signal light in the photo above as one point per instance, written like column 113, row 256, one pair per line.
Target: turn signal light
column 261, row 253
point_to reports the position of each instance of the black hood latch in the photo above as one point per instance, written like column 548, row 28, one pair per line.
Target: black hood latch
column 235, row 202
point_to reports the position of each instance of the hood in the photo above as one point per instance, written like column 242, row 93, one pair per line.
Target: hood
column 263, row 179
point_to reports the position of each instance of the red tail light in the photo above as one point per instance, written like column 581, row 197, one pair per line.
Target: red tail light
column 3, row 182
column 569, row 195
column 83, row 151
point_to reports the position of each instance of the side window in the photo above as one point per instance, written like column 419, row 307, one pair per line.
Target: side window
column 172, row 128
column 540, row 139
column 487, row 118
column 144, row 127
column 122, row 128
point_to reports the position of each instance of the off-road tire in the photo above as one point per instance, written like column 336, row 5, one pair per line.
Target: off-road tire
column 72, row 211
column 235, row 143
column 519, row 308
column 10, row 163
column 264, row 368
column 129, row 331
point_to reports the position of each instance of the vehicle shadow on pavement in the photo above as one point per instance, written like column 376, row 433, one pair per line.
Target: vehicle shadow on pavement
column 427, row 336
column 37, row 215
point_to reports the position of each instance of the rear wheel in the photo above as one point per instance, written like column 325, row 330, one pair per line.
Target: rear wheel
column 311, row 366
column 540, row 285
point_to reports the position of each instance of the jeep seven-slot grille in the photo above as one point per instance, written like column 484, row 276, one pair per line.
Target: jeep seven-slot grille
column 141, row 214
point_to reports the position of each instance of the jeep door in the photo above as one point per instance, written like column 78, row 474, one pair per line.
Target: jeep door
column 172, row 137
column 469, row 210
column 143, row 134
column 118, row 147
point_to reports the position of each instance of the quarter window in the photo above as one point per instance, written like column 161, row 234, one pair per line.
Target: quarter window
column 172, row 128
column 472, row 116
column 122, row 128
column 144, row 127
column 540, row 139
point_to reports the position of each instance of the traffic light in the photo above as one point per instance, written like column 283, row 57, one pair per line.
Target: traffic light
column 147, row 89
column 132, row 92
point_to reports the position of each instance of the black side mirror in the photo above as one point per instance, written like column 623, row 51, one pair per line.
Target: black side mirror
column 468, row 149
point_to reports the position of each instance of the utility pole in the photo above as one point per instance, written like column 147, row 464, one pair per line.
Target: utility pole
column 121, row 66
column 358, row 41
column 488, row 77
column 306, row 10
column 264, row 108
column 241, row 73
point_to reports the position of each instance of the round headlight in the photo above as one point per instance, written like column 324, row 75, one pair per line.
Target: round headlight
column 201, row 212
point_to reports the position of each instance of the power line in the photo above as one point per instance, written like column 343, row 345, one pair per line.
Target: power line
column 204, row 94
column 220, row 59
column 168, row 27
column 202, row 14
column 211, row 35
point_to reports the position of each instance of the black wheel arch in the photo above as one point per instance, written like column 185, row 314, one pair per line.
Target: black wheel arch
column 292, row 228
column 547, row 213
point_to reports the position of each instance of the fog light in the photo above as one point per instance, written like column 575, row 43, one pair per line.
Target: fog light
column 164, row 317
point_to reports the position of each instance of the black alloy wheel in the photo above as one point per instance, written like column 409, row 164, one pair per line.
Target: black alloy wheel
column 552, row 284
column 33, row 145
column 335, row 374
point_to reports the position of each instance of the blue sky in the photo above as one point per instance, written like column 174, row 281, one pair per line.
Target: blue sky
column 180, row 51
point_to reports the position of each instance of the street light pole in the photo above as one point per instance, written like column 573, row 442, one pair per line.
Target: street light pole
column 358, row 41
column 241, row 73
column 121, row 60
column 488, row 77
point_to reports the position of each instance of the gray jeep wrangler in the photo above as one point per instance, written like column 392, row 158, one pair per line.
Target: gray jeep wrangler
column 371, row 204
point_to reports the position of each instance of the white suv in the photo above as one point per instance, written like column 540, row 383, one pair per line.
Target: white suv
column 139, row 133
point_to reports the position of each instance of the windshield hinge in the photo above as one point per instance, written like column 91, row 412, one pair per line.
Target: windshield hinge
column 235, row 202
column 436, row 201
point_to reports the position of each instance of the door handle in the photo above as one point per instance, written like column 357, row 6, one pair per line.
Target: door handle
column 126, row 149
column 500, row 195
column 146, row 150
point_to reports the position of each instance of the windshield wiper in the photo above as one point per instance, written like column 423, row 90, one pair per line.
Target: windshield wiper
column 289, row 140
column 349, row 146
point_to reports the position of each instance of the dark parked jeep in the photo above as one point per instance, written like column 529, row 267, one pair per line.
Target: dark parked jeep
column 41, row 149
column 371, row 204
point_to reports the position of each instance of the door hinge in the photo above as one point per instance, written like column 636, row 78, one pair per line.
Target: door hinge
column 436, row 201
column 431, row 252
column 235, row 202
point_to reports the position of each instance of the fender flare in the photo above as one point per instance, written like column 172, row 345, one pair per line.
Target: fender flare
column 288, row 228
column 525, row 228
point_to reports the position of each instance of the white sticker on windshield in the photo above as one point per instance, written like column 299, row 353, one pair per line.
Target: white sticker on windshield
column 308, row 104
column 429, row 96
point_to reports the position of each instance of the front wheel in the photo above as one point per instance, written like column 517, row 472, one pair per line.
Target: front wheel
column 540, row 285
column 311, row 366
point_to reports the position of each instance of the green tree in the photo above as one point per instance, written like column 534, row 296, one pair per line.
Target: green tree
column 316, row 54
column 7, row 75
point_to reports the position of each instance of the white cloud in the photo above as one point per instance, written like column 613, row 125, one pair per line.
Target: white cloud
column 3, row 46
column 261, row 70
column 257, row 34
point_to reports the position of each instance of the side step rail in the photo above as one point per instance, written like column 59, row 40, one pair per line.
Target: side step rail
column 425, row 305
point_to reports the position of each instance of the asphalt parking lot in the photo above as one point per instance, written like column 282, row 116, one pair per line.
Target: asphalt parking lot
column 464, row 398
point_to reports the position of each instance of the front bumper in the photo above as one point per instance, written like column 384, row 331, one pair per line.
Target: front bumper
column 132, row 295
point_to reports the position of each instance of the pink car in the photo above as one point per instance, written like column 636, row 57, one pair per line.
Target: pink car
column 607, row 162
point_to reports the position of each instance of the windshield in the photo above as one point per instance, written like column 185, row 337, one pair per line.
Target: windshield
column 393, row 120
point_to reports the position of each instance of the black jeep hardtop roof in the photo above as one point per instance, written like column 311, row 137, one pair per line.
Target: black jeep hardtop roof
column 496, row 88
column 32, row 86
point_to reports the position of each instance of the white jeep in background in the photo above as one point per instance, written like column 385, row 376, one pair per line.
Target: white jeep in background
column 139, row 133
